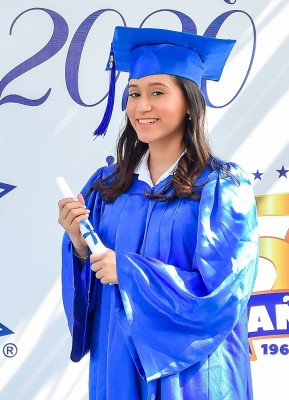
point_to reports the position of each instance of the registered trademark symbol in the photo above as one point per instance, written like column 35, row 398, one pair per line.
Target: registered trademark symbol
column 10, row 350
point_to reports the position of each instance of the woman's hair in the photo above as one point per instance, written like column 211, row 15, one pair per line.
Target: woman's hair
column 130, row 151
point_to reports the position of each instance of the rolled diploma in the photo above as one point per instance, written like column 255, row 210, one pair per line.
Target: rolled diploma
column 85, row 226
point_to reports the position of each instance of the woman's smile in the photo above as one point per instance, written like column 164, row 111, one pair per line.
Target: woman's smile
column 147, row 121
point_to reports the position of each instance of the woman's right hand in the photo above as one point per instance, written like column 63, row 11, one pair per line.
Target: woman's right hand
column 71, row 212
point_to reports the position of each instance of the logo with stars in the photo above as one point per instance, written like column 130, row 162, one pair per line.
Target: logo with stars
column 268, row 308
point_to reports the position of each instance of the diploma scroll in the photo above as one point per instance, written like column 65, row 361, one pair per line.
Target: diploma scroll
column 92, row 239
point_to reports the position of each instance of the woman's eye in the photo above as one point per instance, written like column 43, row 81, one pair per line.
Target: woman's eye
column 133, row 94
column 157, row 92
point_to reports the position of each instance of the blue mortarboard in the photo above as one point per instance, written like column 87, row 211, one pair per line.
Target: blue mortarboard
column 148, row 51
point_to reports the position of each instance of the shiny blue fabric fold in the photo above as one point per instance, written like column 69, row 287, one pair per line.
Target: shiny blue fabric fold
column 176, row 325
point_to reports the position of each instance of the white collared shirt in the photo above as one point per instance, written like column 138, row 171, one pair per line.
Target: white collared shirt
column 144, row 174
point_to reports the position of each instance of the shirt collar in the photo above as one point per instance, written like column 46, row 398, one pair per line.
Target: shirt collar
column 144, row 173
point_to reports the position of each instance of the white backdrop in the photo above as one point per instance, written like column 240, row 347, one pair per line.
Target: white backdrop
column 53, row 56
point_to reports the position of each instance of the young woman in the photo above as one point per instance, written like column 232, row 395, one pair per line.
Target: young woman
column 163, row 311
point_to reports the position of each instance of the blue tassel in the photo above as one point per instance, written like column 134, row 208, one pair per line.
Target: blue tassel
column 124, row 98
column 102, row 128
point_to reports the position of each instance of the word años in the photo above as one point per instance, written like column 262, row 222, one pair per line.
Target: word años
column 268, row 319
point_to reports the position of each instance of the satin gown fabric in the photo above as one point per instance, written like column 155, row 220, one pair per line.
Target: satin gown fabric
column 176, row 325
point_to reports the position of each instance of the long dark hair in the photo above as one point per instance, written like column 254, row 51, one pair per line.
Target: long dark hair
column 130, row 151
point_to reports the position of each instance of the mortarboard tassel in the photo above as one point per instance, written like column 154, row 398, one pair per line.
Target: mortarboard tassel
column 102, row 128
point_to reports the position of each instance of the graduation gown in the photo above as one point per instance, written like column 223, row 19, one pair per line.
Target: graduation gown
column 176, row 325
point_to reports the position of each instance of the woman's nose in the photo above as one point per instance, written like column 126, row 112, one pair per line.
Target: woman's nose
column 144, row 105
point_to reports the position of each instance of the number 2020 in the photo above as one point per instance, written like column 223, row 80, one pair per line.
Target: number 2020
column 59, row 38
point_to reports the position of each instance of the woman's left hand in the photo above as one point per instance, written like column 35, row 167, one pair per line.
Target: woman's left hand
column 104, row 266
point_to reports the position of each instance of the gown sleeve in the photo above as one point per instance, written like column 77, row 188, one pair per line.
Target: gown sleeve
column 173, row 318
column 77, row 286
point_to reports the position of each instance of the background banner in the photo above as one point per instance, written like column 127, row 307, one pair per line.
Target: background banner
column 53, row 88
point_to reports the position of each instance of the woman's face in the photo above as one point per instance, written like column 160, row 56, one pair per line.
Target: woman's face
column 157, row 109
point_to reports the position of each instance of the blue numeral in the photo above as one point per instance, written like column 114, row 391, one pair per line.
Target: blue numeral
column 56, row 42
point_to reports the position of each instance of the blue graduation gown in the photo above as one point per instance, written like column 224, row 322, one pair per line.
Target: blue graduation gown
column 176, row 325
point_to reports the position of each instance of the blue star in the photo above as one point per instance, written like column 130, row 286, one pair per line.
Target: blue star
column 4, row 330
column 282, row 172
column 5, row 188
column 257, row 175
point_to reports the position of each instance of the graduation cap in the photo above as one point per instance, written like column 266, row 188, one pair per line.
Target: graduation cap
column 149, row 51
